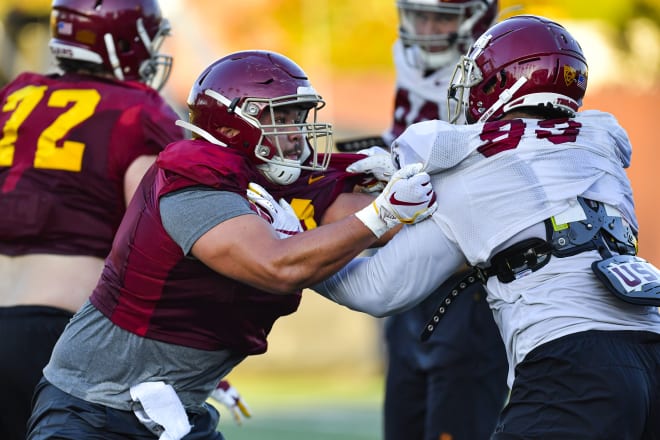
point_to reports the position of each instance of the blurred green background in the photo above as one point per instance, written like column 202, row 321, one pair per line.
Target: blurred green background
column 322, row 375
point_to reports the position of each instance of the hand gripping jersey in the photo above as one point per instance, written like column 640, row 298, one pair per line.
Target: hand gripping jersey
column 148, row 285
column 65, row 145
column 312, row 194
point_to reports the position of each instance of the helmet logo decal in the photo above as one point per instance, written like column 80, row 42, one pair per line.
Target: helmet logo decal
column 569, row 75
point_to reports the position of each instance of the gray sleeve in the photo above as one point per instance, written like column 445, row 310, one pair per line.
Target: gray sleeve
column 190, row 213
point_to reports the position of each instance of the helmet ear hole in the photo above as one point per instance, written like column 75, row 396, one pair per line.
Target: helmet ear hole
column 503, row 77
column 228, row 132
column 489, row 86
column 123, row 46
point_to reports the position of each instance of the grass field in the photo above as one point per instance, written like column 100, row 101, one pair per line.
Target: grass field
column 311, row 408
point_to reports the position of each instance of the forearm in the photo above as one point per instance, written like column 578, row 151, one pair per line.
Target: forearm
column 273, row 256
column 306, row 259
column 398, row 276
column 247, row 249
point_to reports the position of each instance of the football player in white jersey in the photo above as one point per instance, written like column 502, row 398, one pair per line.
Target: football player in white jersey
column 453, row 384
column 533, row 194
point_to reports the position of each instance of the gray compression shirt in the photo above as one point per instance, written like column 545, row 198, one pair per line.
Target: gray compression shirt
column 190, row 213
column 186, row 215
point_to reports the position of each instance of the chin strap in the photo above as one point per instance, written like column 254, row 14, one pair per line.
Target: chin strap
column 199, row 131
column 112, row 56
column 504, row 97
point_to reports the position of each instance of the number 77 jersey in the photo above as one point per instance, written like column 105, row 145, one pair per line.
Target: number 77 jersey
column 65, row 145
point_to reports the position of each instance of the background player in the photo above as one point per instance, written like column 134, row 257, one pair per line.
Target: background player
column 73, row 147
column 536, row 197
column 453, row 384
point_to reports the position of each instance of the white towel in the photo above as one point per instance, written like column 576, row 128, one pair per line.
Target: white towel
column 160, row 410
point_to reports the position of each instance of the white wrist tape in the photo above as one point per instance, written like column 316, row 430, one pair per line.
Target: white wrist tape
column 371, row 219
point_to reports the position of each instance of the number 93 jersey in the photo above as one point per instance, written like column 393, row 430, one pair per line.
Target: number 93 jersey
column 65, row 145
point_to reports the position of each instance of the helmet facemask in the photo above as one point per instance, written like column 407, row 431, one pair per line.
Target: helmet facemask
column 291, row 137
column 466, row 75
column 435, row 50
column 262, row 124
column 153, row 71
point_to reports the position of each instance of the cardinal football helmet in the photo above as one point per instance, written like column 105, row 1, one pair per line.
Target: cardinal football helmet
column 429, row 49
column 231, row 97
column 524, row 61
column 121, row 37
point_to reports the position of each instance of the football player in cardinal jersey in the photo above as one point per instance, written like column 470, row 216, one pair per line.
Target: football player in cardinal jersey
column 195, row 280
column 73, row 147
column 454, row 383
column 536, row 199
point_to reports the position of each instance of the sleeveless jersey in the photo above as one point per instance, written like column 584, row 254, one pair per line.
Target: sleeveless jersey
column 65, row 144
column 148, row 286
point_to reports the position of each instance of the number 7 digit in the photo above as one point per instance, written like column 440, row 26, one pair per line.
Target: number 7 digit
column 49, row 155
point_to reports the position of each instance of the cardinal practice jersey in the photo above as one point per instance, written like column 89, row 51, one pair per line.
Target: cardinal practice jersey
column 147, row 278
column 312, row 194
column 65, row 145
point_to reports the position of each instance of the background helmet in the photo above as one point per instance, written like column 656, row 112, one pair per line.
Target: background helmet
column 524, row 61
column 121, row 37
column 437, row 50
column 235, row 91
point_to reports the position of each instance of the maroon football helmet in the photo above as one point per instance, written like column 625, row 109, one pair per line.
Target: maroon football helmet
column 434, row 50
column 238, row 90
column 121, row 37
column 523, row 61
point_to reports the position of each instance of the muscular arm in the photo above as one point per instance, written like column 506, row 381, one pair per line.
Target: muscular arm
column 246, row 248
column 397, row 277
column 349, row 203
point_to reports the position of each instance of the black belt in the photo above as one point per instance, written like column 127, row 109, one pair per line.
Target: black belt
column 599, row 231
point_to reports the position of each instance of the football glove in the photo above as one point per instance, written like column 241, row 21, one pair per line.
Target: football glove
column 377, row 167
column 407, row 198
column 284, row 219
column 226, row 394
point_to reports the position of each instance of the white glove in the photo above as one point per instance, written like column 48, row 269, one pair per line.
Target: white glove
column 226, row 394
column 407, row 198
column 284, row 219
column 377, row 165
